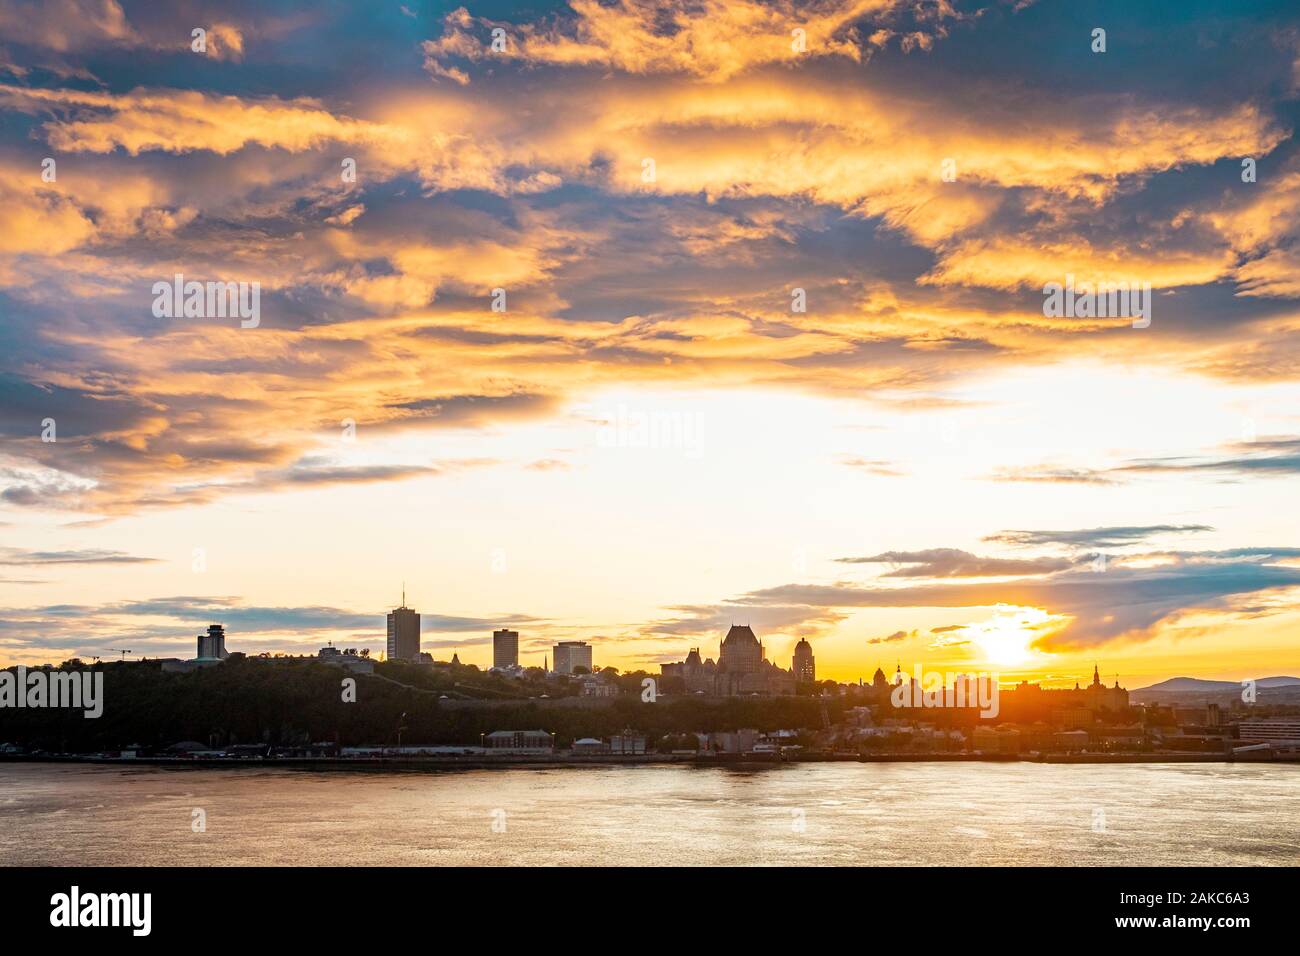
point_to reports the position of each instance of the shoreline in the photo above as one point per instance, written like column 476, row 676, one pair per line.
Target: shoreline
column 567, row 761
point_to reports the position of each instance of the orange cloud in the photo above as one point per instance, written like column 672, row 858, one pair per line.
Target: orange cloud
column 183, row 120
column 712, row 40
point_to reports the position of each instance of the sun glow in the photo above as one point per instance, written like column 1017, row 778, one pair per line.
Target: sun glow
column 1007, row 638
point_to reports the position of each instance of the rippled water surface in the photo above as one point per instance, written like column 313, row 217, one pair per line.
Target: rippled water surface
column 849, row 813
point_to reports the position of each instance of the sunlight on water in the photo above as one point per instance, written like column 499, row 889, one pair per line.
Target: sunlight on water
column 840, row 814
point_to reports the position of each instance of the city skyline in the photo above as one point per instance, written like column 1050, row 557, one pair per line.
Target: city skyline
column 595, row 339
column 504, row 655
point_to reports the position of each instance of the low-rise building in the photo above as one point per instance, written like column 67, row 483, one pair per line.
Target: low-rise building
column 1070, row 741
column 520, row 742
column 349, row 659
column 740, row 741
column 626, row 743
column 595, row 687
column 1270, row 728
column 995, row 740
column 1118, row 738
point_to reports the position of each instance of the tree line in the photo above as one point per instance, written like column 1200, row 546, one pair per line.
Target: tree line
column 294, row 702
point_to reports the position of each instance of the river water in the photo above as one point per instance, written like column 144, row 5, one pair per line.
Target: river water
column 872, row 814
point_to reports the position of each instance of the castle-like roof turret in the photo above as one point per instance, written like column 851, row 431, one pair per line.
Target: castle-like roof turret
column 739, row 634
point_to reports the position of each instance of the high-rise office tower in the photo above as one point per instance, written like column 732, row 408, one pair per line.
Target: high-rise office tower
column 505, row 648
column 805, row 665
column 571, row 654
column 403, row 633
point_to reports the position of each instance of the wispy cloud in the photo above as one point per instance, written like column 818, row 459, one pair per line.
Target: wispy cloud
column 21, row 557
column 954, row 563
column 1278, row 456
column 883, row 469
column 894, row 638
column 1111, row 537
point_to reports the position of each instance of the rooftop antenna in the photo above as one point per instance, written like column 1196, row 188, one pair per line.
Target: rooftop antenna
column 403, row 594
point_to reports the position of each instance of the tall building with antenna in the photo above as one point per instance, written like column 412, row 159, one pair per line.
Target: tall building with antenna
column 403, row 632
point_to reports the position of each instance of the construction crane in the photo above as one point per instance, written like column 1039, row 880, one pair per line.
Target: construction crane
column 118, row 650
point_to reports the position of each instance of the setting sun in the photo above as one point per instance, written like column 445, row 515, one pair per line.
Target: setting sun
column 1006, row 638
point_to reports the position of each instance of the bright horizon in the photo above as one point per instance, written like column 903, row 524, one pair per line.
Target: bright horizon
column 919, row 467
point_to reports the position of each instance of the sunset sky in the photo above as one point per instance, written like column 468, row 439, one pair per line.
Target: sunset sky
column 650, row 441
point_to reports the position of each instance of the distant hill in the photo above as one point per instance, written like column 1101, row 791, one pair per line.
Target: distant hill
column 1278, row 682
column 1193, row 692
column 1194, row 685
column 1187, row 685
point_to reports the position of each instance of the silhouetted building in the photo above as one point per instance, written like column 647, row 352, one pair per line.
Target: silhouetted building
column 805, row 665
column 505, row 648
column 742, row 669
column 212, row 651
column 571, row 654
column 403, row 633
column 741, row 651
column 1075, row 707
column 212, row 646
